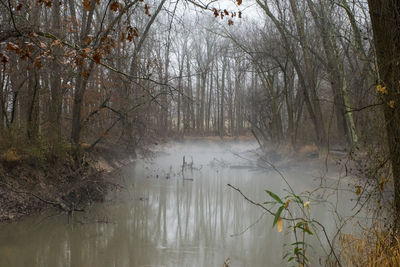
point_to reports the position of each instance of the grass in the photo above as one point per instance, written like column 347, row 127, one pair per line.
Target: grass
column 372, row 249
column 11, row 156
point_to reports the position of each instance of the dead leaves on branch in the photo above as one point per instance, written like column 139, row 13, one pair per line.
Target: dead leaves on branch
column 147, row 10
column 381, row 90
column 96, row 54
column 56, row 42
column 39, row 51
column 88, row 4
column 132, row 32
column 97, row 57
column 41, row 45
column 115, row 6
column 4, row 58
column 47, row 3
column 88, row 39
column 23, row 50
column 225, row 13
column 35, row 50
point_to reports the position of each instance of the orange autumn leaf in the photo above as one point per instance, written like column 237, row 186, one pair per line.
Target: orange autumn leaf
column 358, row 191
column 97, row 57
column 381, row 89
column 88, row 40
column 85, row 73
column 287, row 204
column 114, row 6
column 11, row 47
column 55, row 43
column 382, row 183
column 306, row 227
column 87, row 4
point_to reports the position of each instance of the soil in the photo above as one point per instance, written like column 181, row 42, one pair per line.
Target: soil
column 28, row 187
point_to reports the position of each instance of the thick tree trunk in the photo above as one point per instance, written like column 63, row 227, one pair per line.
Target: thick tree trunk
column 385, row 19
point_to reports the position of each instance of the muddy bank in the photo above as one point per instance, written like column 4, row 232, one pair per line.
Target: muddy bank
column 28, row 186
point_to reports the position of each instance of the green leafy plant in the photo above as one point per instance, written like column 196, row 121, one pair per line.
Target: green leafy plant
column 300, row 226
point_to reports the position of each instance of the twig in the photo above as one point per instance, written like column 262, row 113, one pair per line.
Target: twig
column 247, row 228
column 260, row 205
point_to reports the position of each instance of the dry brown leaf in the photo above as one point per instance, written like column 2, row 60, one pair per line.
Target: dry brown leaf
column 279, row 224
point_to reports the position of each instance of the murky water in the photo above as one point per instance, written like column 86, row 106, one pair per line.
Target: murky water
column 163, row 219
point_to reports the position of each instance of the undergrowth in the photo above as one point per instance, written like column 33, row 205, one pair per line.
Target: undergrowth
column 376, row 248
column 16, row 149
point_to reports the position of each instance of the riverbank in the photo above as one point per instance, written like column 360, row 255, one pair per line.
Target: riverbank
column 29, row 185
column 159, row 200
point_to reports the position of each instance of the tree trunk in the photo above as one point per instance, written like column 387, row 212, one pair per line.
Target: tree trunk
column 222, row 102
column 56, row 97
column 385, row 19
column 310, row 83
column 81, row 81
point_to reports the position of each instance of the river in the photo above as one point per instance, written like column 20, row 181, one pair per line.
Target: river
column 164, row 218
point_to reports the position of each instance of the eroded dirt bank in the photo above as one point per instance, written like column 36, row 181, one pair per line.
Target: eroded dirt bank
column 28, row 187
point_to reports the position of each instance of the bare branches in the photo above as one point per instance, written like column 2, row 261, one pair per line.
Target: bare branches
column 201, row 4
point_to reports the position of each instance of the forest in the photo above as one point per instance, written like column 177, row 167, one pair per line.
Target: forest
column 87, row 81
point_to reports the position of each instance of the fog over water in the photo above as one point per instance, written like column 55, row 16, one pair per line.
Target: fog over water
column 164, row 218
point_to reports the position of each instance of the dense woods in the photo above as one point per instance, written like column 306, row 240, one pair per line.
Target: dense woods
column 77, row 74
column 83, row 71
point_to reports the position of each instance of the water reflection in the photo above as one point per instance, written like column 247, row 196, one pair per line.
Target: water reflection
column 164, row 220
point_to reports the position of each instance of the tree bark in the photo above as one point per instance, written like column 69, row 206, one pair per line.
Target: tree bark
column 385, row 20
column 56, row 96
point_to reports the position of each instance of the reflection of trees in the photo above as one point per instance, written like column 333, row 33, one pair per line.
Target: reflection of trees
column 189, row 222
